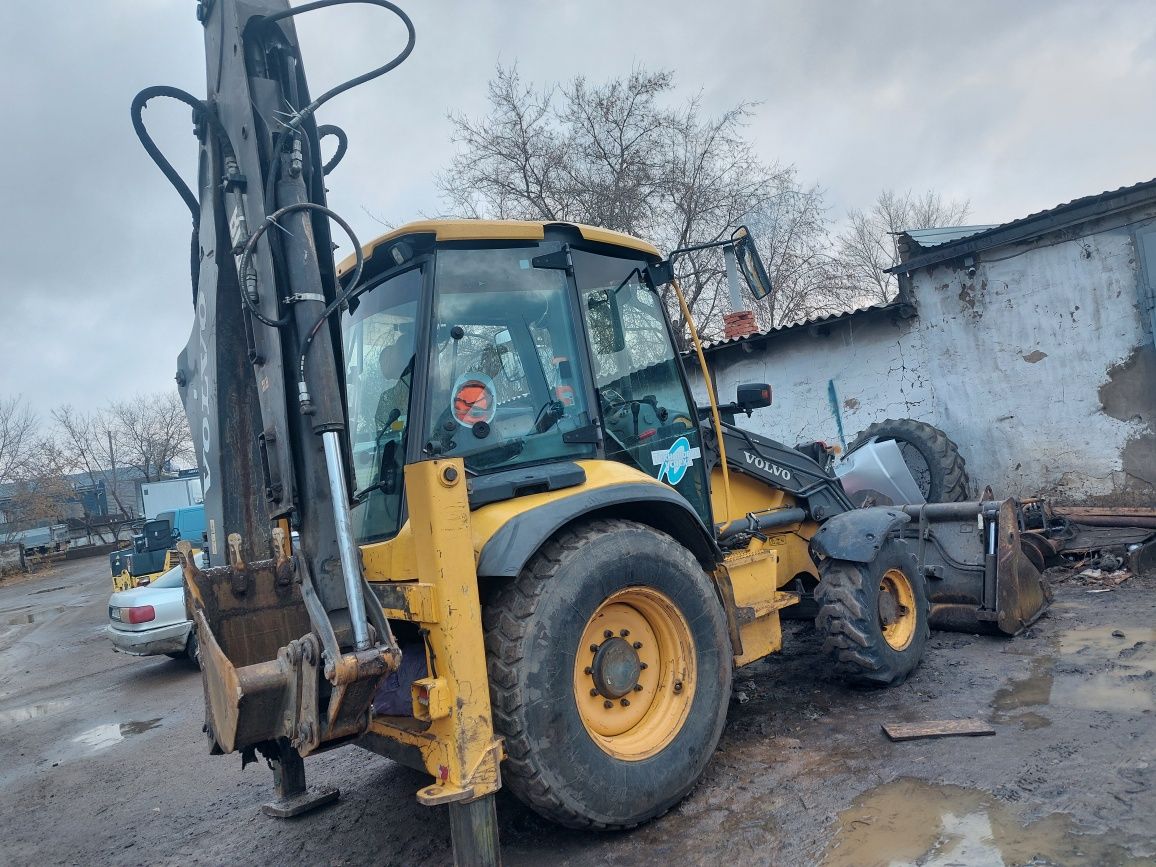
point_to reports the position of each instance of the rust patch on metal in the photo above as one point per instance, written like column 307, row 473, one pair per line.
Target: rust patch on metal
column 1034, row 356
column 1022, row 594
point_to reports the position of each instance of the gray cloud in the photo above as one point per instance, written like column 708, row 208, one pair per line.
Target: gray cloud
column 1015, row 106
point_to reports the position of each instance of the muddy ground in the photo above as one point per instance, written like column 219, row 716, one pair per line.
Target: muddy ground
column 102, row 758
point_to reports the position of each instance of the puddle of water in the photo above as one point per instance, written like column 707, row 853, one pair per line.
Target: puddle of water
column 1101, row 642
column 36, row 616
column 33, row 711
column 1127, row 685
column 908, row 822
column 1105, row 691
column 104, row 736
column 1031, row 691
column 139, row 727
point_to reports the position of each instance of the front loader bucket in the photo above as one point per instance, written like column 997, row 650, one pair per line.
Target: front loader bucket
column 979, row 577
column 262, row 658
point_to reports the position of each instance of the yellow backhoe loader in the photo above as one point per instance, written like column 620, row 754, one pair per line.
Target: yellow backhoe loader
column 524, row 555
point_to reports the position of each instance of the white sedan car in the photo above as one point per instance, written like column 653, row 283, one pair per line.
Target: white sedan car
column 150, row 620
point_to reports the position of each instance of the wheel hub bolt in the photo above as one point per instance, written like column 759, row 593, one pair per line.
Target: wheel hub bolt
column 626, row 702
column 593, row 648
column 678, row 686
column 638, row 687
column 588, row 670
column 607, row 634
column 642, row 665
column 608, row 704
column 593, row 692
column 638, row 645
column 624, row 633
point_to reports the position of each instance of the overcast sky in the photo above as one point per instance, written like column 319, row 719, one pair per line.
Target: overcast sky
column 1016, row 106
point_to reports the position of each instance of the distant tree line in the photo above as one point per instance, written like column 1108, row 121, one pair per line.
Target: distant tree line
column 40, row 460
column 622, row 155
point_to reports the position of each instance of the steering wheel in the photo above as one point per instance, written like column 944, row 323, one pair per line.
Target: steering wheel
column 612, row 400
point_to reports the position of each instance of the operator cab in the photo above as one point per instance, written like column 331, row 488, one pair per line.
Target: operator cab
column 512, row 344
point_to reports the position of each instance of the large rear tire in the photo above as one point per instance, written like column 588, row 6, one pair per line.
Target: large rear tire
column 934, row 460
column 875, row 617
column 610, row 675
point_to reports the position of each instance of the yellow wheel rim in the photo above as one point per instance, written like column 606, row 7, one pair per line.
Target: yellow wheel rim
column 634, row 675
column 897, row 613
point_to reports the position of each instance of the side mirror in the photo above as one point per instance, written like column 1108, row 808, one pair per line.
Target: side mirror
column 751, row 265
column 753, row 395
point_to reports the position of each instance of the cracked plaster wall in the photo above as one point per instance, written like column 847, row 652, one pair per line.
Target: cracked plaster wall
column 1038, row 366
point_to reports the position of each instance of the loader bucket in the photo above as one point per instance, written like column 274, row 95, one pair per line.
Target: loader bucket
column 980, row 579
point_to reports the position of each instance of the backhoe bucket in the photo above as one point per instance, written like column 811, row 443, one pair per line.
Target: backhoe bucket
column 979, row 577
column 263, row 660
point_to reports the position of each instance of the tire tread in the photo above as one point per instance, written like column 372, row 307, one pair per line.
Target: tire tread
column 505, row 621
column 848, row 634
column 946, row 461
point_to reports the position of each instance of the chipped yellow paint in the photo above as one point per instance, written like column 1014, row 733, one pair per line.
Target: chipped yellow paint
column 458, row 748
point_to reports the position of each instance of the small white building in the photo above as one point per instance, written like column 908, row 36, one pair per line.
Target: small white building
column 1030, row 344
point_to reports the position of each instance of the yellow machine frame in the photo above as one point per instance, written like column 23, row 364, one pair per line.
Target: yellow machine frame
column 427, row 575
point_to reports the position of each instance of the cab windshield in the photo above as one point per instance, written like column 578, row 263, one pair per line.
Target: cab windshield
column 379, row 357
column 649, row 419
column 505, row 384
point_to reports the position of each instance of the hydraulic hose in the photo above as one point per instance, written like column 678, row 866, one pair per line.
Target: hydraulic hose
column 201, row 112
column 292, row 127
column 299, row 117
column 251, row 244
column 342, row 145
column 757, row 522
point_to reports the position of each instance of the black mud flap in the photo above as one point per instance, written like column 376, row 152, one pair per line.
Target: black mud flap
column 859, row 534
column 980, row 579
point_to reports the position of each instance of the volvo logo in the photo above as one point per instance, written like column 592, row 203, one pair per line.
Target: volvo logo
column 767, row 467
column 206, row 426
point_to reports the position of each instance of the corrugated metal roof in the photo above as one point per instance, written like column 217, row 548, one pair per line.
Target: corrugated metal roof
column 828, row 318
column 1029, row 227
column 943, row 234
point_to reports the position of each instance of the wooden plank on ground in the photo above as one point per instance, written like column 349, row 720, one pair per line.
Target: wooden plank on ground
column 949, row 728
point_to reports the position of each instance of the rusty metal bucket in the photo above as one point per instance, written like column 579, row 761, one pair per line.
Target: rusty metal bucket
column 270, row 672
column 979, row 576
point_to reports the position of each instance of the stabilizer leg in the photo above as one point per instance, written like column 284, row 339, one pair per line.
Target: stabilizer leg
column 474, row 831
column 293, row 796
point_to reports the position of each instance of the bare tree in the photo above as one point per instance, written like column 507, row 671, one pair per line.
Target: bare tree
column 18, row 424
column 793, row 232
column 91, row 446
column 146, row 434
column 613, row 155
column 39, row 494
column 866, row 247
column 152, row 432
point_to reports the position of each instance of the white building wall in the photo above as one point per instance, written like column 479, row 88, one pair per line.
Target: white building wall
column 1037, row 365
